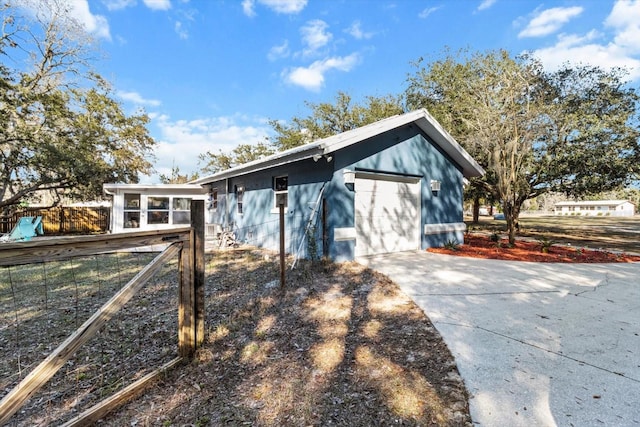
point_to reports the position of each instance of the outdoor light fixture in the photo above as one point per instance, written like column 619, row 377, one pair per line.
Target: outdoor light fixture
column 349, row 177
column 435, row 185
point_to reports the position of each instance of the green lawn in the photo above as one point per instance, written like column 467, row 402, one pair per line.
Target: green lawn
column 605, row 232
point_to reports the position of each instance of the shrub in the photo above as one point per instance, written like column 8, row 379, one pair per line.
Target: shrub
column 451, row 244
column 545, row 243
column 495, row 237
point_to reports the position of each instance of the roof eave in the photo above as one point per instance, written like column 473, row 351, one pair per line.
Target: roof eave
column 289, row 156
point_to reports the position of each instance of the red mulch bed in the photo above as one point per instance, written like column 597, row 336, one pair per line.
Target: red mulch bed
column 481, row 246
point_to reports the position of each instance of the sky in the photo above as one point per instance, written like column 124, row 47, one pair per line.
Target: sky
column 211, row 73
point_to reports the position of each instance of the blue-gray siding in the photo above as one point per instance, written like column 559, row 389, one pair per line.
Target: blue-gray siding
column 404, row 151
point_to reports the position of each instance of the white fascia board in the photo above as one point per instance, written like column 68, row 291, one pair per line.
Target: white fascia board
column 426, row 122
column 111, row 188
column 295, row 154
column 470, row 168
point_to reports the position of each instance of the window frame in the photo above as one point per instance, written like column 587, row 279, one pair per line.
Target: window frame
column 152, row 211
column 276, row 192
column 174, row 210
column 213, row 199
column 129, row 209
column 239, row 190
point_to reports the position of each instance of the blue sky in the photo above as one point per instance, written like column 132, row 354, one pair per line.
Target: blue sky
column 211, row 73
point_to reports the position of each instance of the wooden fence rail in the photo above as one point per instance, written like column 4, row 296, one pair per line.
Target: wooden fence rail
column 62, row 220
column 187, row 243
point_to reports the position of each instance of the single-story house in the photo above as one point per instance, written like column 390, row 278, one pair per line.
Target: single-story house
column 393, row 185
column 139, row 207
column 596, row 208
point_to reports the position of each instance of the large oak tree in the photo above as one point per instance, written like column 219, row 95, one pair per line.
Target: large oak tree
column 61, row 130
column 574, row 130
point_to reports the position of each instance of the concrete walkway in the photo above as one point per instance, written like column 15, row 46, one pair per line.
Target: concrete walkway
column 537, row 344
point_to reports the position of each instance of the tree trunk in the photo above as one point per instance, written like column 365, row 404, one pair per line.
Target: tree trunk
column 476, row 209
column 512, row 215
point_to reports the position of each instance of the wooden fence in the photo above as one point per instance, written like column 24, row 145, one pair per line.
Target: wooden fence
column 63, row 220
column 186, row 243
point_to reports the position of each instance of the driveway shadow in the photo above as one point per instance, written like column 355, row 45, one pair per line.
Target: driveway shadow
column 537, row 344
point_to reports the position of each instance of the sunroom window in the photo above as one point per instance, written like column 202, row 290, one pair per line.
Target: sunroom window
column 131, row 210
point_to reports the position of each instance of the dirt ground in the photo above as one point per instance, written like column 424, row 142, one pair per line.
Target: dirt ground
column 339, row 345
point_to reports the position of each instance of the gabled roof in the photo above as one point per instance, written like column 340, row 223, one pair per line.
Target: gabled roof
column 421, row 118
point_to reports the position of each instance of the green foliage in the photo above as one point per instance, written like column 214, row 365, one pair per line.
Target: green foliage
column 495, row 237
column 176, row 177
column 451, row 245
column 573, row 130
column 325, row 120
column 243, row 153
column 545, row 243
column 60, row 135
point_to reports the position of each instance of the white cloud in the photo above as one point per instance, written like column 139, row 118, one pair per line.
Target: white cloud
column 315, row 36
column 486, row 4
column 549, row 21
column 625, row 22
column 428, row 11
column 356, row 31
column 279, row 51
column 312, row 77
column 118, row 4
column 158, row 4
column 287, row 7
column 620, row 49
column 181, row 31
column 248, row 8
column 95, row 24
column 136, row 98
column 181, row 141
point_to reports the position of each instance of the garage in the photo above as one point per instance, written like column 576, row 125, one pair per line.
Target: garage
column 387, row 214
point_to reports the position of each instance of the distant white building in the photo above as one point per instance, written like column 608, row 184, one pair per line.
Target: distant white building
column 596, row 208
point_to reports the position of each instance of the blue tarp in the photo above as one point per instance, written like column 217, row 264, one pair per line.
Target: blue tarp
column 26, row 228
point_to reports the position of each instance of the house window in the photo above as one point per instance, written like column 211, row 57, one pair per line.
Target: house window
column 280, row 190
column 131, row 210
column 158, row 210
column 239, row 197
column 181, row 210
column 213, row 199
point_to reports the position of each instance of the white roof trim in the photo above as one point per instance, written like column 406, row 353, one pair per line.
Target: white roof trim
column 422, row 118
column 110, row 188
column 593, row 203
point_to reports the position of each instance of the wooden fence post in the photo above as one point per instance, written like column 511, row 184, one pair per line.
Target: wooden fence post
column 186, row 300
column 198, row 224
column 282, row 255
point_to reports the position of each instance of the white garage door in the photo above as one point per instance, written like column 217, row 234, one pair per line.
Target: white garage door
column 387, row 216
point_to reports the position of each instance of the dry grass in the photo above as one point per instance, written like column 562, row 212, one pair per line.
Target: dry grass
column 339, row 346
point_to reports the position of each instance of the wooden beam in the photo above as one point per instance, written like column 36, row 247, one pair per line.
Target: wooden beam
column 186, row 302
column 96, row 412
column 197, row 222
column 42, row 250
column 49, row 366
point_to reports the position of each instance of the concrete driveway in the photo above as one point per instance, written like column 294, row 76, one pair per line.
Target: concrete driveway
column 536, row 344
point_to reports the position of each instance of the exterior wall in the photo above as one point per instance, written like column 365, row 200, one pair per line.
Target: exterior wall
column 258, row 224
column 119, row 223
column 406, row 151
